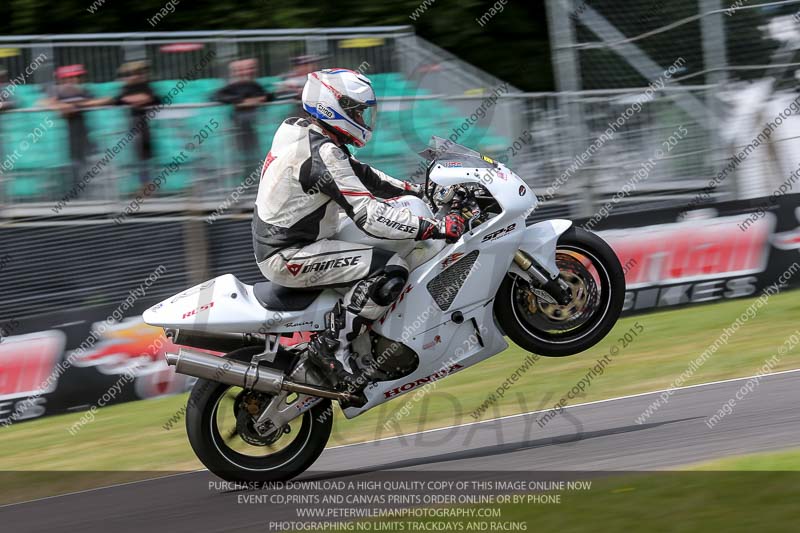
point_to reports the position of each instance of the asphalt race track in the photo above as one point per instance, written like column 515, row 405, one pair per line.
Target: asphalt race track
column 600, row 436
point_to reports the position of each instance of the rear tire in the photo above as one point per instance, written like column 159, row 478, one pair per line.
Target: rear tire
column 210, row 446
column 516, row 318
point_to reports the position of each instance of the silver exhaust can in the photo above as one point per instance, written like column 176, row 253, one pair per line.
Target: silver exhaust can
column 239, row 374
column 227, row 371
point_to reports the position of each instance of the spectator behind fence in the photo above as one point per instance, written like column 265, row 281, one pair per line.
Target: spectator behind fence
column 70, row 98
column 292, row 82
column 7, row 101
column 245, row 94
column 138, row 96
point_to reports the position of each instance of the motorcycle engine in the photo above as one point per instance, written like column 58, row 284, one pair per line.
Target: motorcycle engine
column 388, row 360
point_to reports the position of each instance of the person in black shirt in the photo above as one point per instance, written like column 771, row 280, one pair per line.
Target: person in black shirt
column 138, row 96
column 245, row 94
column 70, row 98
column 7, row 102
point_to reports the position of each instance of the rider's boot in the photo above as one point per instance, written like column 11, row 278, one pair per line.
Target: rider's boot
column 330, row 351
column 364, row 303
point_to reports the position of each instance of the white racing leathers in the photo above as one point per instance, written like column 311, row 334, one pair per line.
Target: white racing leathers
column 306, row 182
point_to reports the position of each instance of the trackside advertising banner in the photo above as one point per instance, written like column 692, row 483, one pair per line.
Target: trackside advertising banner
column 671, row 258
column 43, row 371
column 723, row 251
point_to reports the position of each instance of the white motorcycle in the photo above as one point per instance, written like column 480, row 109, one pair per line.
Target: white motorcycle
column 263, row 412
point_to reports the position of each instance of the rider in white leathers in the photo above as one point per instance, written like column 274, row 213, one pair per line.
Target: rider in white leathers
column 309, row 178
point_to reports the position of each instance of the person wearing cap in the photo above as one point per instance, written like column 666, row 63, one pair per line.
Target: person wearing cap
column 138, row 95
column 292, row 82
column 70, row 98
column 245, row 94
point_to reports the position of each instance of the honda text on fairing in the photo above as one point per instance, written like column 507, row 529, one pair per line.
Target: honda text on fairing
column 263, row 412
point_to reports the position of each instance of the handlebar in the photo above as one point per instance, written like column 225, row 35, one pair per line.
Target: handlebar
column 464, row 203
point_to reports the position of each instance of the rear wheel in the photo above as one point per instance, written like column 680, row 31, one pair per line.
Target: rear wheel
column 535, row 322
column 221, row 432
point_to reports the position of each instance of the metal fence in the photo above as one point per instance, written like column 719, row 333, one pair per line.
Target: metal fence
column 732, row 75
column 535, row 134
column 30, row 182
column 558, row 142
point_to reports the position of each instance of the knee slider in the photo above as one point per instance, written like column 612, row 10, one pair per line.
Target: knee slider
column 390, row 286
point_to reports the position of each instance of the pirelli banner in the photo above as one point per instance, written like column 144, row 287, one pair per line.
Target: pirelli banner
column 736, row 249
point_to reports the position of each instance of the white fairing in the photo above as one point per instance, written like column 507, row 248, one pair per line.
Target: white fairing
column 448, row 333
column 540, row 241
column 225, row 304
column 445, row 345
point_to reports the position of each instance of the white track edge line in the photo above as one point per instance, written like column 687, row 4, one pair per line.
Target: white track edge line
column 94, row 489
column 412, row 434
column 565, row 407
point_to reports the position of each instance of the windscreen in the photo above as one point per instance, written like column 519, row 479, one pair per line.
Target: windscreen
column 445, row 149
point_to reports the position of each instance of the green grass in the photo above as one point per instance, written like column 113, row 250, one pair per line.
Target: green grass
column 685, row 502
column 746, row 493
column 131, row 437
column 782, row 461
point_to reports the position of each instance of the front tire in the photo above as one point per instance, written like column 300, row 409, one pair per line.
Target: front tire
column 593, row 271
column 238, row 458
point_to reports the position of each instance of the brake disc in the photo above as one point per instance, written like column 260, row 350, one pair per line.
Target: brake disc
column 559, row 313
column 246, row 408
column 581, row 285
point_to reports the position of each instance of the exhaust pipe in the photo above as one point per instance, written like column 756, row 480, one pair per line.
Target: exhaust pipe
column 239, row 374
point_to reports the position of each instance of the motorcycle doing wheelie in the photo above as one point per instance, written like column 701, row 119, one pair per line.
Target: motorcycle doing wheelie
column 263, row 411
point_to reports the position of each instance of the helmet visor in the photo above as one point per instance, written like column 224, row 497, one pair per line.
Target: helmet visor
column 362, row 114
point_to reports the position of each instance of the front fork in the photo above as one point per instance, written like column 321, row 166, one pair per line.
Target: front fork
column 535, row 260
column 552, row 289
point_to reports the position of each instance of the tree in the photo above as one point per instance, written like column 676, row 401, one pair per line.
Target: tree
column 515, row 36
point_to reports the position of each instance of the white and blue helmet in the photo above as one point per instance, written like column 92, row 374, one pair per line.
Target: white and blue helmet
column 344, row 100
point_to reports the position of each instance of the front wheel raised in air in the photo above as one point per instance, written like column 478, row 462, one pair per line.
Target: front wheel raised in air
column 221, row 432
column 594, row 274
